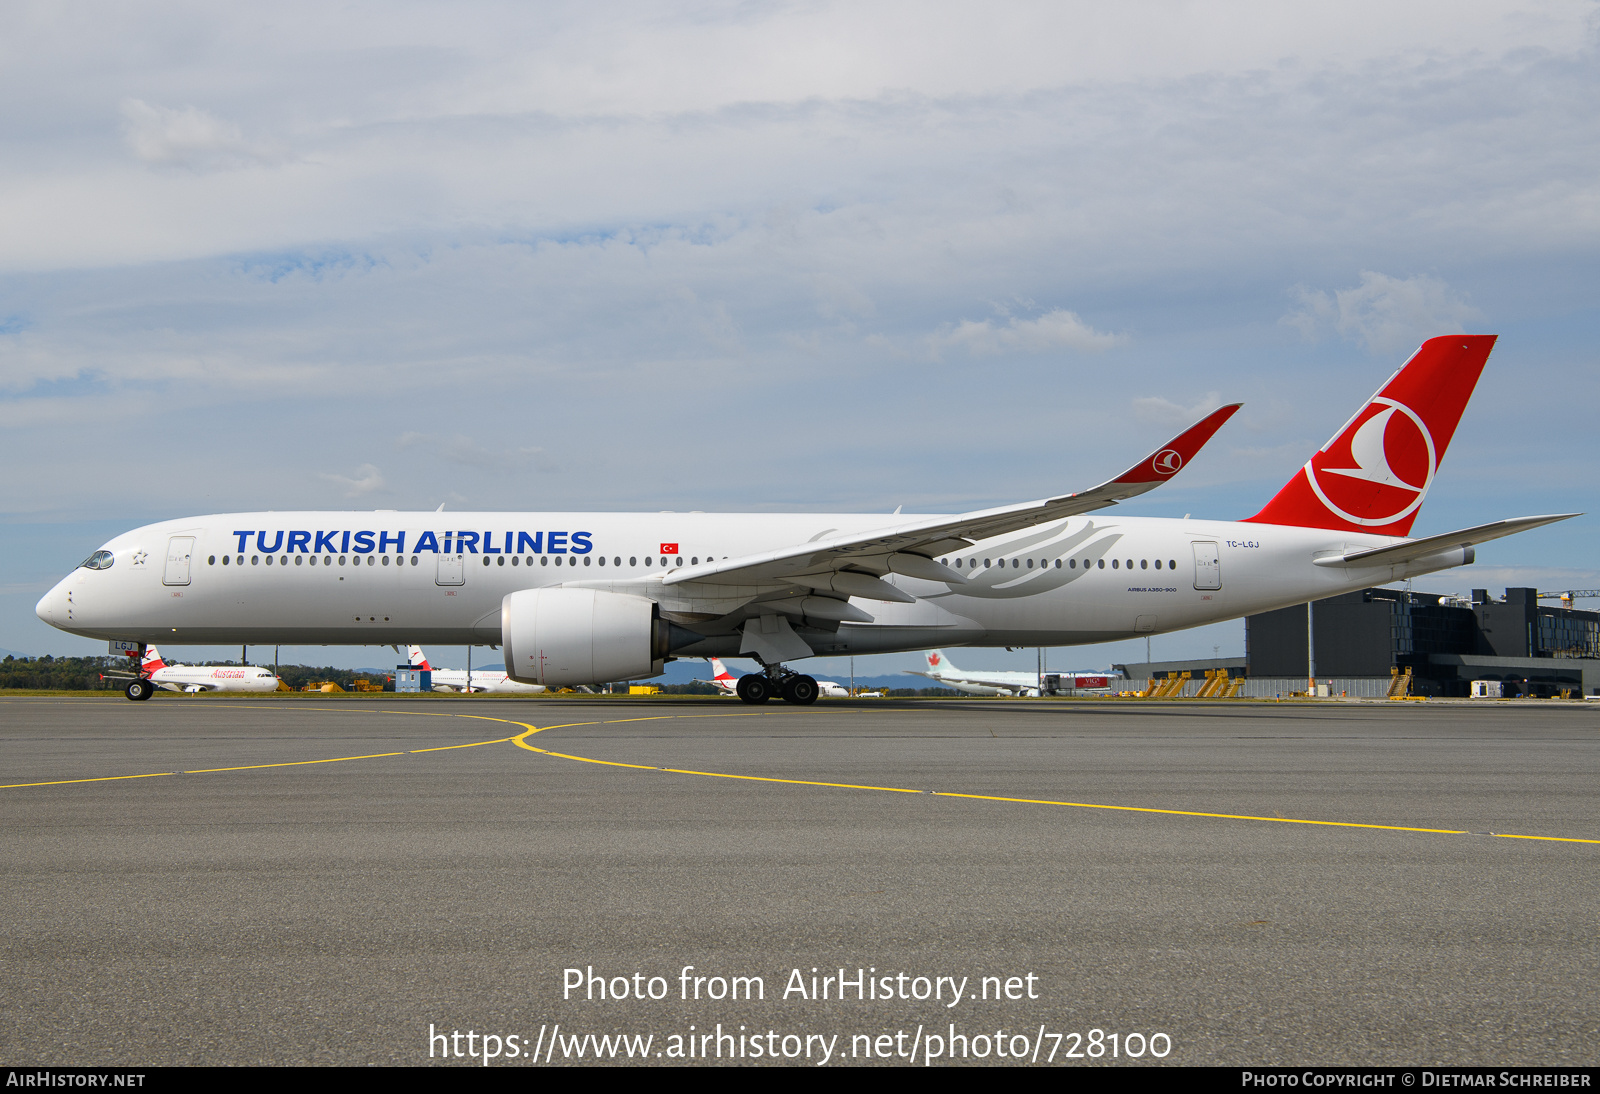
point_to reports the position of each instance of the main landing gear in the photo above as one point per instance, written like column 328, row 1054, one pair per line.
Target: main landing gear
column 139, row 690
column 792, row 687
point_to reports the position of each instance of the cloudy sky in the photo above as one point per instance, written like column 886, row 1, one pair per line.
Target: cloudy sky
column 777, row 256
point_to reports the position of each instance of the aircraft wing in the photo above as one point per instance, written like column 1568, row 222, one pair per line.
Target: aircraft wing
column 909, row 548
column 1412, row 549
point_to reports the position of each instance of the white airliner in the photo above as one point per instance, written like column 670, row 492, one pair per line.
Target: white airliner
column 156, row 673
column 727, row 683
column 586, row 598
column 995, row 682
column 493, row 681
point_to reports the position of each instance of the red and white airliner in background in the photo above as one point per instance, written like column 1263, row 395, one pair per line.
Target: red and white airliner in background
column 587, row 598
column 491, row 680
column 1001, row 682
column 727, row 683
column 156, row 673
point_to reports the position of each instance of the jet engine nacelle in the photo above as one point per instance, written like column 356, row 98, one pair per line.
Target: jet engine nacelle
column 564, row 637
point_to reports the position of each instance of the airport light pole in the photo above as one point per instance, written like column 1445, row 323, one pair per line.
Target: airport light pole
column 1311, row 651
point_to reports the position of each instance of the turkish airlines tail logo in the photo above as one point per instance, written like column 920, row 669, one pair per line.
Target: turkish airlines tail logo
column 1374, row 473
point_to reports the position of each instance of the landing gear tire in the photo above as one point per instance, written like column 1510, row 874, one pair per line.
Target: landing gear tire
column 802, row 691
column 754, row 688
column 139, row 690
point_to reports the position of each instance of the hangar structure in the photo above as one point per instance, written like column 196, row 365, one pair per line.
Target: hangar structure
column 1361, row 640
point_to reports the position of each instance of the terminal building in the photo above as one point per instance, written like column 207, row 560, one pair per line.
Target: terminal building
column 1363, row 640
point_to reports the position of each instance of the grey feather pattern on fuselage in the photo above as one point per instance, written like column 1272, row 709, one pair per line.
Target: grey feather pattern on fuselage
column 997, row 584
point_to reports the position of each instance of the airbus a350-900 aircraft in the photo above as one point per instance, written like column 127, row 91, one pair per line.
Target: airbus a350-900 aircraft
column 585, row 598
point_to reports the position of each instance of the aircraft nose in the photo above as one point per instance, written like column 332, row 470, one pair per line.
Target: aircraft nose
column 52, row 607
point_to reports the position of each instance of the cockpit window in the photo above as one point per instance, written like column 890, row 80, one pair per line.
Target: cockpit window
column 100, row 560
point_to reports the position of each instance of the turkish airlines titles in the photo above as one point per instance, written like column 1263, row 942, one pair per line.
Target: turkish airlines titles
column 342, row 541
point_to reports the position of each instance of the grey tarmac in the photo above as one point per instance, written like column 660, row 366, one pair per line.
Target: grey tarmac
column 330, row 912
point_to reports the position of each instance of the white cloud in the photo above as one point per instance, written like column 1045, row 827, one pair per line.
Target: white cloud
column 189, row 137
column 1386, row 314
column 370, row 481
column 1054, row 330
column 1153, row 408
column 469, row 452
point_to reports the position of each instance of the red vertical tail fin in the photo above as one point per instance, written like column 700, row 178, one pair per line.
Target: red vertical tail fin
column 1372, row 476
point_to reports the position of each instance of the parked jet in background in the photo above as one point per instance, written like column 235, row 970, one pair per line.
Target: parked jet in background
column 492, row 681
column 990, row 682
column 723, row 680
column 153, row 671
column 728, row 684
column 576, row 599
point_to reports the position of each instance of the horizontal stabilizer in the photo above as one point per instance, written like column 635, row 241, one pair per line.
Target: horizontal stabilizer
column 1432, row 545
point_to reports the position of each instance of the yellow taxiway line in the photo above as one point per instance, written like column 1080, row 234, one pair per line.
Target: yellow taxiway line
column 521, row 741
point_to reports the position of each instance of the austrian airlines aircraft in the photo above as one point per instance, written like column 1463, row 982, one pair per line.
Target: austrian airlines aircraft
column 585, row 598
column 728, row 684
column 486, row 680
column 156, row 673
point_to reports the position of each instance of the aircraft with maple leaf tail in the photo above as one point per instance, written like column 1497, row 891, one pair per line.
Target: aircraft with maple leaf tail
column 999, row 681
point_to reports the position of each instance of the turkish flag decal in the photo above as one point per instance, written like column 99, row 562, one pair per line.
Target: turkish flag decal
column 669, row 548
